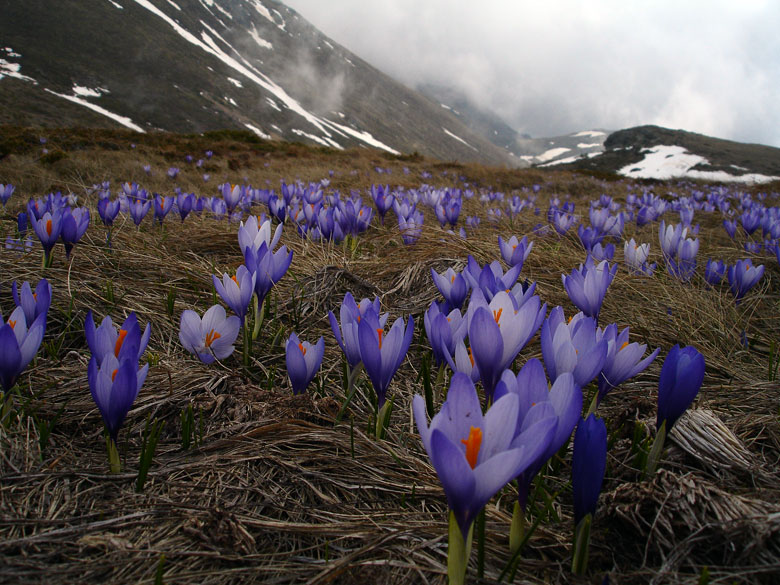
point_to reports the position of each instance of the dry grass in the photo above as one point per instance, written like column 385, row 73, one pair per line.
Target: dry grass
column 278, row 491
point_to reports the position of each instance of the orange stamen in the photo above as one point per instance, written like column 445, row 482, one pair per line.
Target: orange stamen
column 625, row 343
column 303, row 349
column 119, row 341
column 211, row 337
column 12, row 324
column 471, row 358
column 497, row 315
column 235, row 279
column 113, row 375
column 48, row 226
column 473, row 443
column 379, row 332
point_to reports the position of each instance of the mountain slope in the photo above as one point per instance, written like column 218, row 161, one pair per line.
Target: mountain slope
column 197, row 65
column 652, row 152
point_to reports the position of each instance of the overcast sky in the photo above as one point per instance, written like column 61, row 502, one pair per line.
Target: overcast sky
column 560, row 66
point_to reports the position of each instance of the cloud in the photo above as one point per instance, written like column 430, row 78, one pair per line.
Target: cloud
column 554, row 68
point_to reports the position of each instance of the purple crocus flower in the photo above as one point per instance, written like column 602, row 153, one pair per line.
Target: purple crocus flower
column 476, row 455
column 126, row 343
column 743, row 276
column 599, row 252
column 383, row 199
column 572, row 346
column 48, row 229
column 162, row 205
column 623, row 360
column 590, row 236
column 138, row 209
column 497, row 333
column 236, row 290
column 18, row 345
column 588, row 285
column 714, row 271
column 730, row 225
column 5, row 193
column 184, row 202
column 209, row 338
column 254, row 232
column 589, row 462
column 514, row 251
column 351, row 313
column 33, row 304
column 74, row 224
column 382, row 354
column 452, row 286
column 443, row 331
column 173, row 172
column 679, row 383
column 114, row 385
column 303, row 361
column 537, row 401
column 108, row 210
column 636, row 255
column 231, row 194
column 268, row 267
column 411, row 227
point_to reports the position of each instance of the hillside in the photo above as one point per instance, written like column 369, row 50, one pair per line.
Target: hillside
column 200, row 65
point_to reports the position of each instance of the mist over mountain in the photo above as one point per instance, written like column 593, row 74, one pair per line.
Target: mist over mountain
column 197, row 65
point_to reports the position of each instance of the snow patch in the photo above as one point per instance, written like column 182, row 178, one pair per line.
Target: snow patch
column 272, row 103
column 88, row 92
column 257, row 131
column 319, row 140
column 8, row 69
column 259, row 40
column 328, row 45
column 117, row 5
column 671, row 162
column 445, row 106
column 172, row 3
column 235, row 82
column 11, row 53
column 591, row 133
column 231, row 100
column 551, row 154
column 209, row 46
column 223, row 11
column 116, row 117
column 458, row 138
column 275, row 127
column 585, row 145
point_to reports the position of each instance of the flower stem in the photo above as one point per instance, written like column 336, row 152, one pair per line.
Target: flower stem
column 114, row 463
column 458, row 552
column 579, row 561
column 517, row 528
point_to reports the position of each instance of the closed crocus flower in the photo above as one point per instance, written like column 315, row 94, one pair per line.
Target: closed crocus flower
column 669, row 237
column 537, row 400
column 623, row 360
column 236, row 290
column 114, row 385
column 303, row 361
column 589, row 462
column 636, row 256
column 209, row 338
column 462, row 360
column 138, row 209
column 572, row 346
column 126, row 342
column 74, row 224
column 18, row 345
column 588, row 285
column 515, row 251
column 268, row 267
column 497, row 333
column 743, row 276
column 253, row 233
column 382, row 353
column 452, row 286
column 679, row 383
column 350, row 314
column 231, row 194
column 5, row 193
column 476, row 455
column 443, row 331
column 32, row 303
column 108, row 210
column 714, row 271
